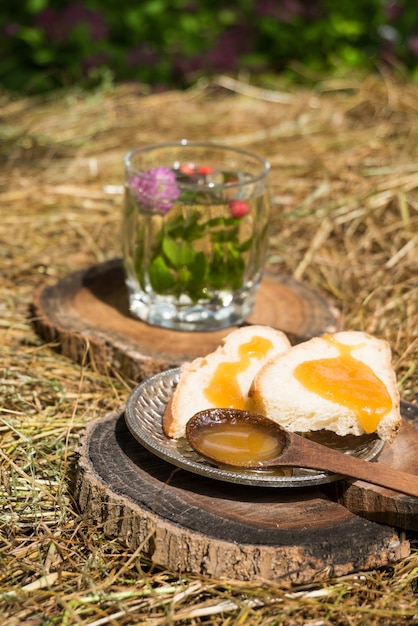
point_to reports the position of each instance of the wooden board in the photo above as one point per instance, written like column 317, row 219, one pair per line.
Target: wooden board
column 382, row 505
column 87, row 314
column 188, row 523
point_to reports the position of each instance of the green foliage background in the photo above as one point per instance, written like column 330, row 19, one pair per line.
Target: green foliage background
column 46, row 44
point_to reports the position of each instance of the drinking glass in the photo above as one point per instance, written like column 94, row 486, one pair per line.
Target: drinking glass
column 194, row 234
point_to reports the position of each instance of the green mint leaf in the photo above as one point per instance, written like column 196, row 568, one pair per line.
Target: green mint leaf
column 185, row 227
column 199, row 275
column 226, row 268
column 244, row 246
column 162, row 280
column 178, row 268
column 178, row 254
column 228, row 234
column 221, row 221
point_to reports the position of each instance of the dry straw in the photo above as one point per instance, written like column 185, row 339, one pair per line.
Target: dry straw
column 345, row 193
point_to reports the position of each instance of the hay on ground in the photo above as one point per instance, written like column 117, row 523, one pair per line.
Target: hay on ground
column 345, row 220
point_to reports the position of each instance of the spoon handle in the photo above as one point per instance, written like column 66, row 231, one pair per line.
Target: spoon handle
column 316, row 456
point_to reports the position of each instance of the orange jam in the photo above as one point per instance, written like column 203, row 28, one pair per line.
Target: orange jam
column 349, row 382
column 223, row 390
column 238, row 444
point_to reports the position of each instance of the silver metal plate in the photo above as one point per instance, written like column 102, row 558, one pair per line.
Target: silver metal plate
column 144, row 412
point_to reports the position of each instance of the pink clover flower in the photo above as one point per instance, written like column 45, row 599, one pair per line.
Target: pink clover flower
column 156, row 190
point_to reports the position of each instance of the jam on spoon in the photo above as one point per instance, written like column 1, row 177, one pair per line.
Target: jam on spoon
column 242, row 439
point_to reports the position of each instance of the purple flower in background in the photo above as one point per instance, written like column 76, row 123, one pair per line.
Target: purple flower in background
column 287, row 10
column 59, row 23
column 392, row 10
column 141, row 55
column 95, row 60
column 11, row 29
column 267, row 8
column 156, row 190
column 235, row 41
column 413, row 45
column 50, row 21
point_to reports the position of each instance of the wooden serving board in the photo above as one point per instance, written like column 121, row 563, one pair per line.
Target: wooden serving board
column 383, row 505
column 188, row 523
column 87, row 314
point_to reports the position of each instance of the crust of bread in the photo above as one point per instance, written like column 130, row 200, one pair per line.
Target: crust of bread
column 188, row 397
column 276, row 393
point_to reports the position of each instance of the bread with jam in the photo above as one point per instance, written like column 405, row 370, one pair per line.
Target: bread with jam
column 222, row 378
column 342, row 382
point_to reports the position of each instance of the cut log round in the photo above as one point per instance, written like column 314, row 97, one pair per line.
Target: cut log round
column 382, row 505
column 188, row 523
column 86, row 314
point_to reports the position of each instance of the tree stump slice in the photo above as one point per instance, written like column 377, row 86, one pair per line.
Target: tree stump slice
column 191, row 524
column 383, row 505
column 86, row 314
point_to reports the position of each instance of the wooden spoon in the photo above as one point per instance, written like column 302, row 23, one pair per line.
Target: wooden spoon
column 243, row 439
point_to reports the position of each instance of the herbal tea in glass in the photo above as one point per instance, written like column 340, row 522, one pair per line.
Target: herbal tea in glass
column 194, row 234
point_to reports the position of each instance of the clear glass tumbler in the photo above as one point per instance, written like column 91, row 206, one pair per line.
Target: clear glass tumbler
column 194, row 233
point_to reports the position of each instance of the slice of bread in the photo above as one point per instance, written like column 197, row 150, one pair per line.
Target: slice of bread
column 245, row 349
column 353, row 389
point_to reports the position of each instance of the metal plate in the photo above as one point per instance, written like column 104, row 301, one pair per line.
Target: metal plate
column 143, row 414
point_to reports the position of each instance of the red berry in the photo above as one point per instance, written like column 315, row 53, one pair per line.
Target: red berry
column 239, row 208
column 205, row 169
column 187, row 169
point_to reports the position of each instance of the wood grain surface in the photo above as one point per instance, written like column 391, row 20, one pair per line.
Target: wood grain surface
column 188, row 523
column 383, row 505
column 87, row 312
